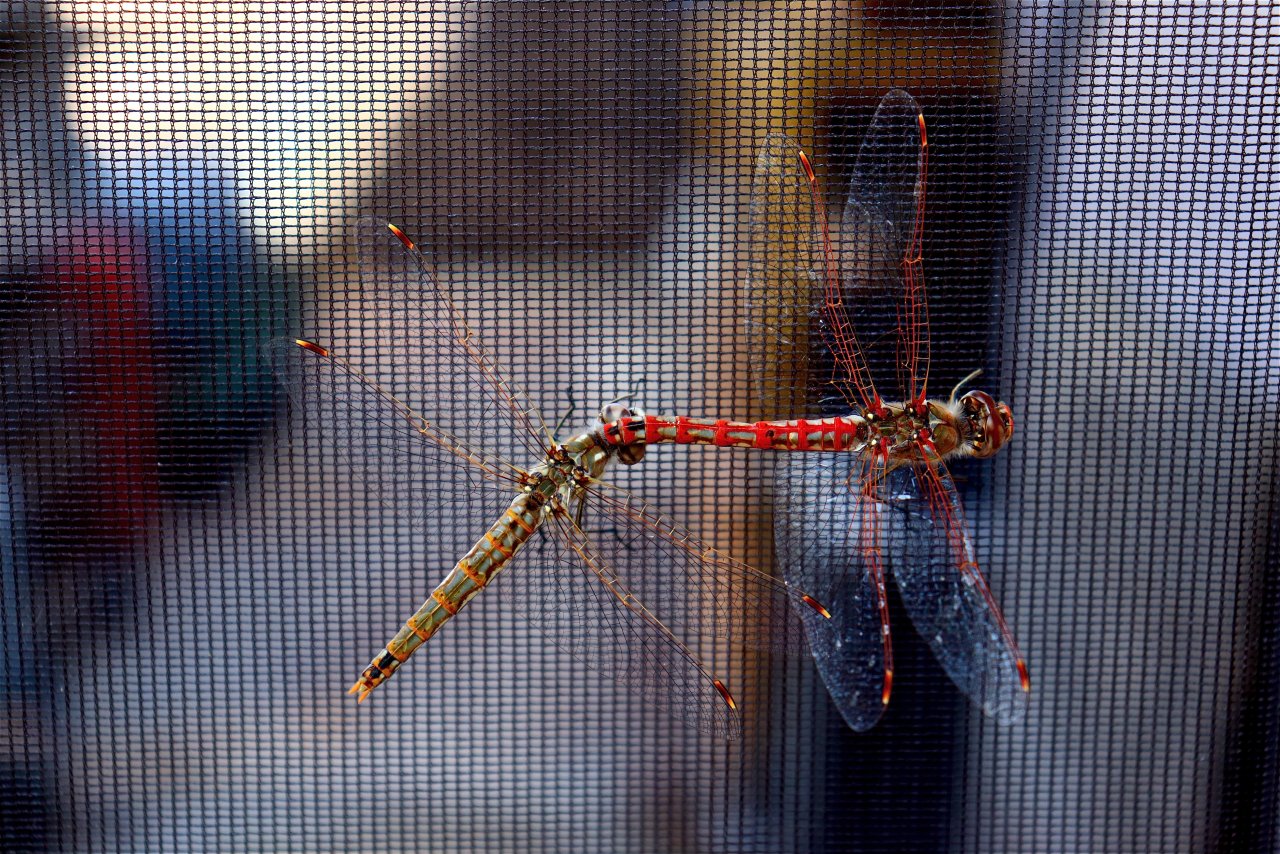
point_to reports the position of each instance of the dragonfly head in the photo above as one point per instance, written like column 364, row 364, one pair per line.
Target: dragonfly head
column 992, row 423
column 631, row 454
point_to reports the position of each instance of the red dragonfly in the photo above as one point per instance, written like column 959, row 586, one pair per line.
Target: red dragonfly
column 882, row 498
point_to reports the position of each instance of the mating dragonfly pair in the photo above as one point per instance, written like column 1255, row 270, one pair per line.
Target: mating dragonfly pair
column 863, row 493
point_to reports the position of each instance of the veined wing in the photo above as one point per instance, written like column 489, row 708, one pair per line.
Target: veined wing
column 398, row 383
column 946, row 595
column 567, row 589
column 409, row 336
column 865, row 280
column 698, row 590
column 788, row 257
column 826, row 535
column 370, row 428
column 674, row 590
column 828, row 538
column 876, row 312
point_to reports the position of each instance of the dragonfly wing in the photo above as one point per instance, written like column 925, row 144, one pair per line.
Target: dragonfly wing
column 826, row 540
column 395, row 451
column 566, row 588
column 404, row 329
column 787, row 267
column 947, row 597
column 699, row 591
column 879, row 318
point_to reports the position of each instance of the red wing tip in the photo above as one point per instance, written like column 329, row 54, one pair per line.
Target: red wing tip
column 401, row 236
column 888, row 687
column 816, row 605
column 311, row 346
column 924, row 137
column 1024, row 676
column 724, row 692
column 808, row 167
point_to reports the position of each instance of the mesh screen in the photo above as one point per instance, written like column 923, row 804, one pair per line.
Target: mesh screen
column 191, row 575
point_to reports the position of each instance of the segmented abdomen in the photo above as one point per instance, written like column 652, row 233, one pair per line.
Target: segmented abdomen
column 468, row 577
column 827, row 434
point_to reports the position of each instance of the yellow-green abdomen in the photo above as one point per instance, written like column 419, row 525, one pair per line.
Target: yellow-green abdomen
column 468, row 577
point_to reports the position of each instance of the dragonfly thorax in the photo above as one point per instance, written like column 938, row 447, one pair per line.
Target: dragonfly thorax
column 973, row 426
column 899, row 429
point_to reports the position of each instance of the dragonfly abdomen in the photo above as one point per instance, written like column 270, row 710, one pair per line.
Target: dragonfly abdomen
column 471, row 574
column 848, row 433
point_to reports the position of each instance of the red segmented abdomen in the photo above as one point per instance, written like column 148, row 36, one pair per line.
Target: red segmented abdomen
column 827, row 434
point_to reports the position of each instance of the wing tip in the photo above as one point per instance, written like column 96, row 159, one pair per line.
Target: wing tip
column 816, row 605
column 401, row 236
column 1024, row 677
column 725, row 695
column 311, row 346
column 808, row 167
column 888, row 688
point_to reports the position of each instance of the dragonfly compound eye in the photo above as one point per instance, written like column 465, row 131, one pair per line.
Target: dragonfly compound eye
column 993, row 422
column 1006, row 419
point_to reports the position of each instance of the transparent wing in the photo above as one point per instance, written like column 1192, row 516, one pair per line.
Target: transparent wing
column 946, row 595
column 395, row 450
column 827, row 535
column 572, row 593
column 697, row 590
column 398, row 383
column 787, row 269
column 877, row 318
column 676, row 590
column 399, row 324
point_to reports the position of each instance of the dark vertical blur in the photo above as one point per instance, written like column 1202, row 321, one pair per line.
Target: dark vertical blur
column 913, row 755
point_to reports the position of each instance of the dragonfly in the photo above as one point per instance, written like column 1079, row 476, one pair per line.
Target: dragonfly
column 604, row 575
column 837, row 313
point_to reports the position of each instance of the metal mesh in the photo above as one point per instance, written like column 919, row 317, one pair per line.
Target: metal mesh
column 190, row 579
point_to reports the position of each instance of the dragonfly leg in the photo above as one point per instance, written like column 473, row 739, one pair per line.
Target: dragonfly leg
column 573, row 407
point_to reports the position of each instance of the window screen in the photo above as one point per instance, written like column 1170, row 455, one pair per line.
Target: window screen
column 192, row 573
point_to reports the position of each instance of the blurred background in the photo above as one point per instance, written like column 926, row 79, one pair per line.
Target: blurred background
column 189, row 580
